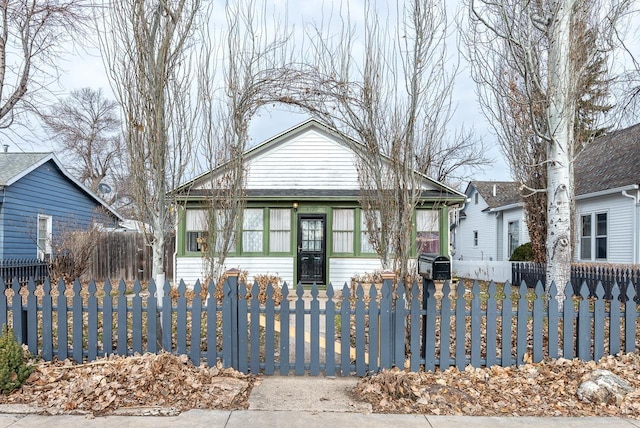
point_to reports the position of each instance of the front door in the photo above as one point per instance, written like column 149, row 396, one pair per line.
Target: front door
column 311, row 248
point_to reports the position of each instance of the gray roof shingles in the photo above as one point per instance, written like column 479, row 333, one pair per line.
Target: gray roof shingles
column 12, row 164
column 609, row 162
column 506, row 192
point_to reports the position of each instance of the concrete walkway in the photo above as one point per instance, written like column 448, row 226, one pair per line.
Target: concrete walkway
column 301, row 402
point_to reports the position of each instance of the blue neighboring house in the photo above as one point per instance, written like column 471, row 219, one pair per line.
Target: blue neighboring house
column 39, row 199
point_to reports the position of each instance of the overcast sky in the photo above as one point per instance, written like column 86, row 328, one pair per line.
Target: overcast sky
column 85, row 69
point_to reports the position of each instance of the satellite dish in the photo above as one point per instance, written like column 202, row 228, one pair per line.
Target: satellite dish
column 104, row 188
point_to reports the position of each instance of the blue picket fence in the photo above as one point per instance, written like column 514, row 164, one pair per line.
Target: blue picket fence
column 339, row 333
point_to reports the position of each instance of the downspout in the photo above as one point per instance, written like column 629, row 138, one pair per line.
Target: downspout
column 636, row 225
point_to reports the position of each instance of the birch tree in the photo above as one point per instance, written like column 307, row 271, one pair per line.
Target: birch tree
column 391, row 92
column 33, row 38
column 533, row 62
column 148, row 47
column 255, row 69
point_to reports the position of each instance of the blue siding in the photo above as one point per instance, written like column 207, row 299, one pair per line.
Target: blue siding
column 45, row 191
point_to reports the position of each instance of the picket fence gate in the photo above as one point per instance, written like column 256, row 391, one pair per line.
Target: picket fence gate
column 348, row 334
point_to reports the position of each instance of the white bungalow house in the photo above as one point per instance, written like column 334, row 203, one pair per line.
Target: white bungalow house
column 491, row 224
column 302, row 219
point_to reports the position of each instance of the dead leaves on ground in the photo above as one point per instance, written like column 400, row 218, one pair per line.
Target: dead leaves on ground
column 542, row 389
column 142, row 381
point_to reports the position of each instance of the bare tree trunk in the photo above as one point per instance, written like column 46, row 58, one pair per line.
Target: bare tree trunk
column 148, row 50
column 561, row 114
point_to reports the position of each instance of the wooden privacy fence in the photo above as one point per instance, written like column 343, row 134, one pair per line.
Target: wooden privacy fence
column 337, row 334
column 126, row 255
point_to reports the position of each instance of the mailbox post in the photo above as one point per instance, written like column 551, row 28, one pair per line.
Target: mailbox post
column 431, row 267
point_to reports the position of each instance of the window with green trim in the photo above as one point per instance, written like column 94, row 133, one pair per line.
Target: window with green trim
column 368, row 221
column 427, row 232
column 279, row 230
column 196, row 230
column 343, row 230
column 252, row 230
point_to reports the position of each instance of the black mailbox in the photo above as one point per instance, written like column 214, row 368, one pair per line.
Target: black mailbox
column 435, row 267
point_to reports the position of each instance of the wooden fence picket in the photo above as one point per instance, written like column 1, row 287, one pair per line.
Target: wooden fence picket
column 77, row 322
column 345, row 334
column 285, row 363
column 243, row 329
column 614, row 320
column 630, row 316
column 476, row 315
column 63, row 334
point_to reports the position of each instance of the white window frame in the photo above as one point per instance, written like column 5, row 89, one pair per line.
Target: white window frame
column 513, row 236
column 593, row 237
column 43, row 244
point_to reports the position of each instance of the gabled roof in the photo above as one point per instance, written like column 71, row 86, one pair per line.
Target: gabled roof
column 498, row 193
column 609, row 162
column 14, row 166
column 271, row 143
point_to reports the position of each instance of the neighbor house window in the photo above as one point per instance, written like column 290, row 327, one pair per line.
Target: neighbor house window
column 373, row 221
column 593, row 236
column 196, row 230
column 585, row 237
column 513, row 233
column 343, row 230
column 475, row 197
column 252, row 230
column 279, row 230
column 601, row 236
column 475, row 238
column 45, row 228
column 427, row 232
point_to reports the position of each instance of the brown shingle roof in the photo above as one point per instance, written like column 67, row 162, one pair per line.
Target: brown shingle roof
column 609, row 162
column 506, row 192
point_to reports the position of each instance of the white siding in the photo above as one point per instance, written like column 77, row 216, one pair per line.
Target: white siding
column 485, row 224
column 514, row 214
column 191, row 268
column 619, row 225
column 308, row 161
column 342, row 270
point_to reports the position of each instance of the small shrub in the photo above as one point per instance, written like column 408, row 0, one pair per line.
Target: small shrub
column 13, row 368
column 524, row 253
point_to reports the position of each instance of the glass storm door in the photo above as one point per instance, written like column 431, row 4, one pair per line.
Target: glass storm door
column 311, row 249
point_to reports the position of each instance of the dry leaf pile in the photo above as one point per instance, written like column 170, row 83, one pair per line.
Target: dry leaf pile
column 146, row 381
column 542, row 389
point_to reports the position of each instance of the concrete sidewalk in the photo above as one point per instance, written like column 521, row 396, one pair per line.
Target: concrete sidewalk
column 301, row 402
